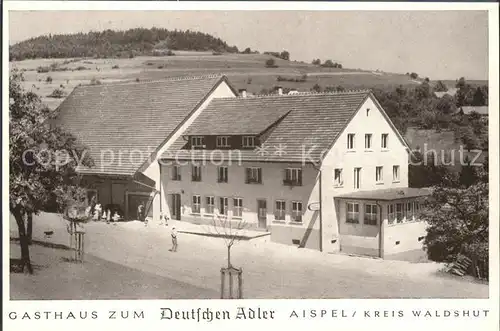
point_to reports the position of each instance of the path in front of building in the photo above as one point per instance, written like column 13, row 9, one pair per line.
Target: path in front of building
column 270, row 270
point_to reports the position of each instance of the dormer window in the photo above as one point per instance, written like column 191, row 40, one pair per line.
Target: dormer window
column 198, row 141
column 223, row 141
column 248, row 141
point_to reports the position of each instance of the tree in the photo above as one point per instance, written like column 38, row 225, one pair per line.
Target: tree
column 231, row 232
column 316, row 62
column 440, row 87
column 478, row 98
column 247, row 50
column 413, row 75
column 328, row 64
column 423, row 91
column 468, row 175
column 42, row 159
column 457, row 219
column 285, row 55
column 316, row 88
column 463, row 90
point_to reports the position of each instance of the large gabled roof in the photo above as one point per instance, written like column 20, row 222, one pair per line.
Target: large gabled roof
column 300, row 127
column 122, row 124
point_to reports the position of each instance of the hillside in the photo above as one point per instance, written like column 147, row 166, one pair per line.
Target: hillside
column 109, row 43
column 245, row 71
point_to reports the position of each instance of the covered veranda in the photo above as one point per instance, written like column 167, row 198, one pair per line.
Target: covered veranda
column 381, row 223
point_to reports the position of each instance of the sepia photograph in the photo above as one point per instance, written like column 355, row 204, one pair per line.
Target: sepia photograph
column 248, row 154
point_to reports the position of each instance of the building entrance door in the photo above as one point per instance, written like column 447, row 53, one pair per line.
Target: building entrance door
column 262, row 213
column 175, row 206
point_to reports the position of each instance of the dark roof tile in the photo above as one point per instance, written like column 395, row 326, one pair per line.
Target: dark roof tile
column 134, row 118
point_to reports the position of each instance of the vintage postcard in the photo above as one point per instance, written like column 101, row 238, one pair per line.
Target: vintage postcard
column 187, row 165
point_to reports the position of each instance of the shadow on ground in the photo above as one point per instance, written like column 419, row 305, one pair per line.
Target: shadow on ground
column 59, row 277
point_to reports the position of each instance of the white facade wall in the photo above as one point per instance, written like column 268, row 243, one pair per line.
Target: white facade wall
column 152, row 169
column 339, row 156
column 271, row 189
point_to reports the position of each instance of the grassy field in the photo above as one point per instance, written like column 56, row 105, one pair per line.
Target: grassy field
column 244, row 70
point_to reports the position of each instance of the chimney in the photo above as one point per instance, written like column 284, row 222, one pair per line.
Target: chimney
column 242, row 93
column 280, row 90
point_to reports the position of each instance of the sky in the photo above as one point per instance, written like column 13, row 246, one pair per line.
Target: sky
column 434, row 44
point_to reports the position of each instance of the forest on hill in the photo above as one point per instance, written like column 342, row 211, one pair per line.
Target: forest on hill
column 109, row 43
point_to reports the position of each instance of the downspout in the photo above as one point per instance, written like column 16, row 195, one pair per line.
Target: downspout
column 320, row 209
column 381, row 234
column 161, row 200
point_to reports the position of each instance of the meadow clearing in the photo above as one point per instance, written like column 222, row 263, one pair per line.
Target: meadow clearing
column 247, row 71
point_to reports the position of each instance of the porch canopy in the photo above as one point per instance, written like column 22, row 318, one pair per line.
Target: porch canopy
column 387, row 194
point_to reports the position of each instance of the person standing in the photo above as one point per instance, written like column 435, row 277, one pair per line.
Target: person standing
column 174, row 239
column 140, row 213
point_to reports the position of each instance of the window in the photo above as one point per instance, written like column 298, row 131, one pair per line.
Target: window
column 296, row 211
column 253, row 175
column 237, row 207
column 176, row 172
column 198, row 141
column 196, row 173
column 390, row 214
column 293, row 177
column 357, row 177
column 352, row 213
column 395, row 173
column 248, row 141
column 399, row 212
column 279, row 211
column 370, row 214
column 350, row 141
column 337, row 177
column 223, row 206
column 409, row 211
column 210, row 204
column 379, row 174
column 222, row 141
column 367, row 111
column 222, row 174
column 195, row 208
column 368, row 141
column 385, row 140
column 416, row 208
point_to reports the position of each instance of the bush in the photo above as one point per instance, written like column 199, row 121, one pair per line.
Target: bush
column 57, row 93
column 270, row 63
column 216, row 53
column 95, row 81
column 80, row 68
column 316, row 88
column 413, row 75
column 160, row 67
column 48, row 79
column 116, row 66
column 458, row 224
column 42, row 69
column 170, row 53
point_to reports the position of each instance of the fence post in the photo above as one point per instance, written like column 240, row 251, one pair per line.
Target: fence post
column 222, row 278
column 240, row 284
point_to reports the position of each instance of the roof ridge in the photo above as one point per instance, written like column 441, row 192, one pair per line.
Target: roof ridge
column 167, row 79
column 255, row 96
